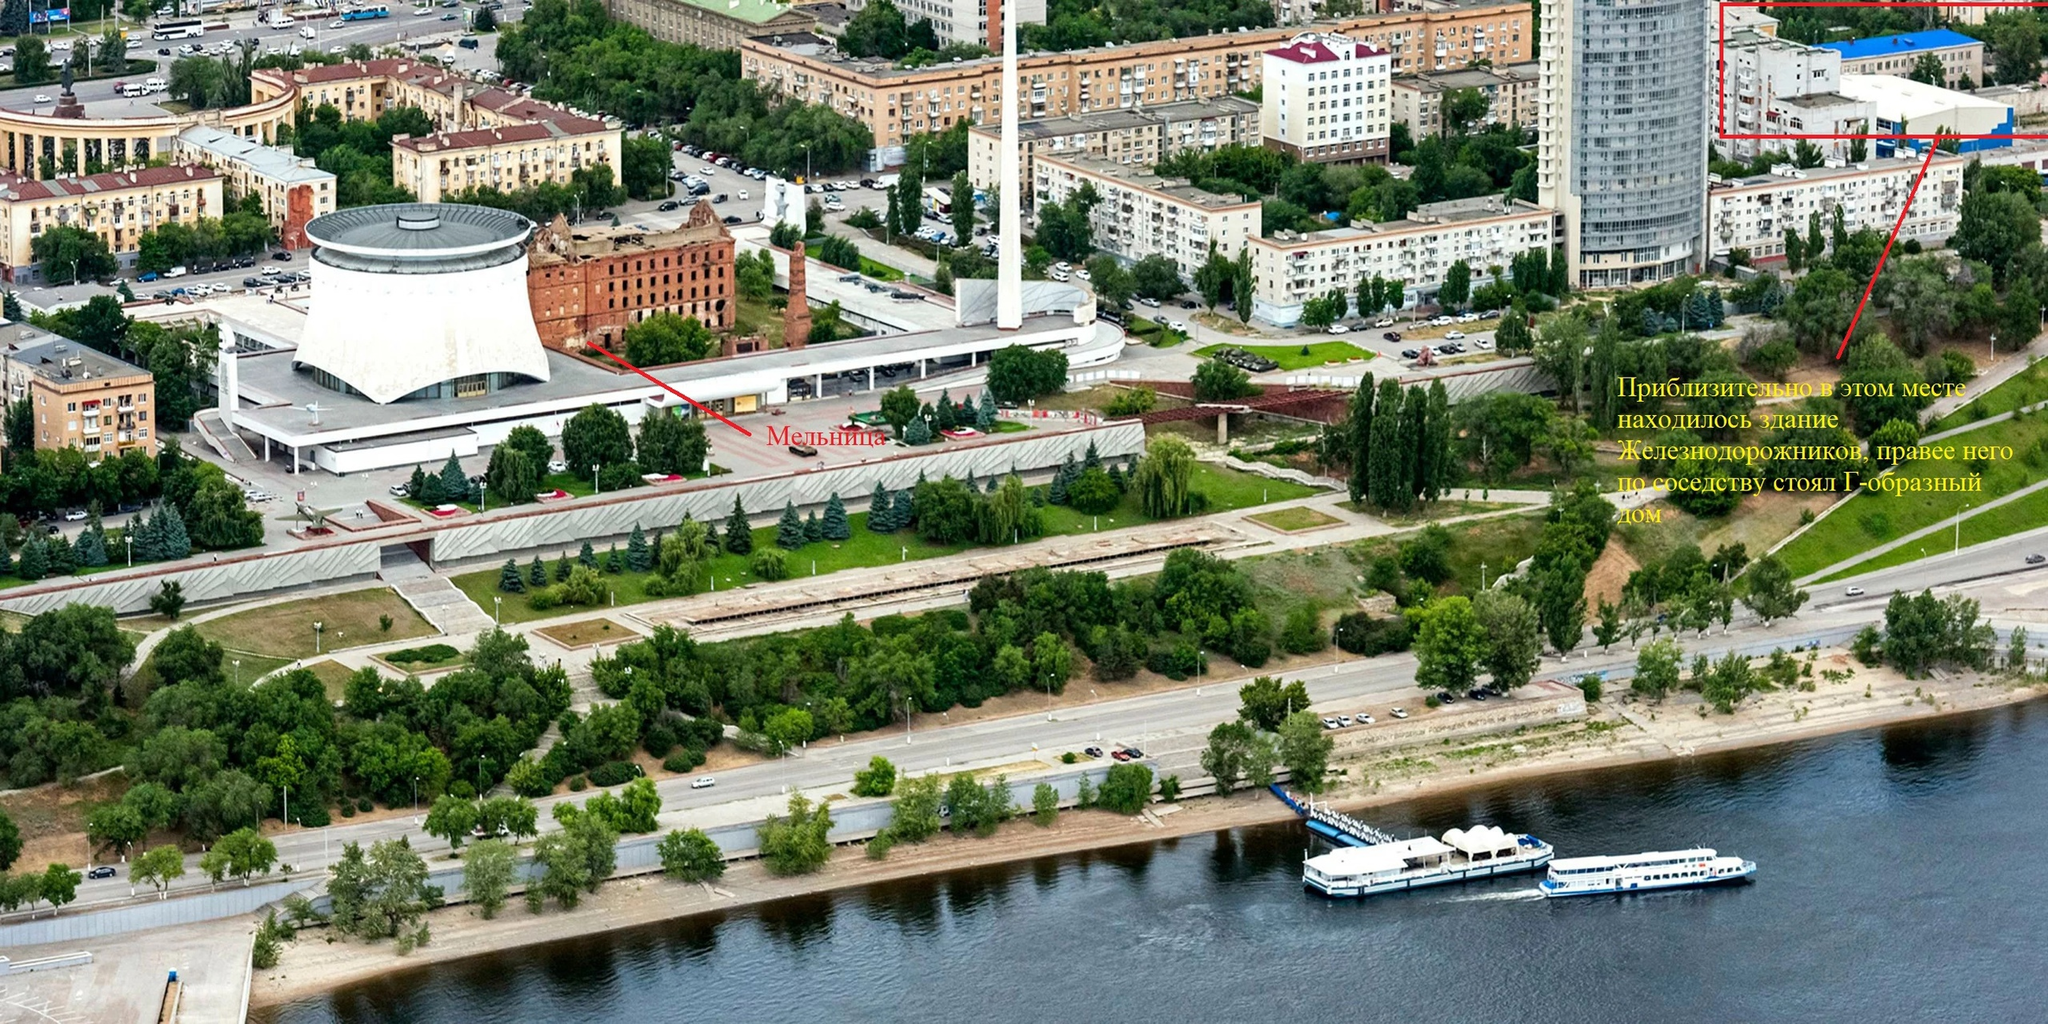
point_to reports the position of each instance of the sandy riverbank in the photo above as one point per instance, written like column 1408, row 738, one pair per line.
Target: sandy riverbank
column 1617, row 733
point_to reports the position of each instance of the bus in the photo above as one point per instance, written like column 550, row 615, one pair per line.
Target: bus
column 366, row 12
column 189, row 28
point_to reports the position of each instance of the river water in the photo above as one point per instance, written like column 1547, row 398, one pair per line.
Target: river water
column 1896, row 882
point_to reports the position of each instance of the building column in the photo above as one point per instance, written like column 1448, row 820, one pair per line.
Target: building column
column 871, row 378
column 1223, row 428
column 295, row 460
column 78, row 163
column 817, row 385
column 920, row 367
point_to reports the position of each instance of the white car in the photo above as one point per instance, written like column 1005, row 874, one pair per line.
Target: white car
column 1329, row 723
column 1083, row 274
column 1468, row 318
column 1343, row 720
column 1853, row 592
column 1149, row 301
column 1337, row 329
column 1364, row 719
column 1058, row 275
column 1483, row 345
column 1385, row 321
column 1399, row 712
column 707, row 169
column 76, row 515
column 41, row 98
column 399, row 491
column 557, row 466
column 703, row 782
column 1455, row 336
column 1062, row 265
column 1178, row 325
column 1441, row 321
column 743, row 194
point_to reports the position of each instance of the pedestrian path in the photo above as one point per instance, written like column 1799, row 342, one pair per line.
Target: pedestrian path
column 1926, row 531
column 441, row 603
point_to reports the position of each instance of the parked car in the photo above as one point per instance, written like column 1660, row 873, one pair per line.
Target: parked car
column 1135, row 753
column 668, row 205
column 1365, row 719
column 1391, row 335
column 1398, row 712
column 1148, row 301
column 1409, row 353
column 1119, row 755
column 400, row 490
column 558, row 466
column 103, row 871
column 1337, row 329
column 803, row 451
column 1454, row 336
column 1446, row 697
column 1092, row 751
column 1853, row 592
column 2036, row 559
column 1385, row 321
column 1329, row 723
column 1343, row 720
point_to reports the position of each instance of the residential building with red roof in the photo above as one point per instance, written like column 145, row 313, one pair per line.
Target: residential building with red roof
column 118, row 206
column 1326, row 99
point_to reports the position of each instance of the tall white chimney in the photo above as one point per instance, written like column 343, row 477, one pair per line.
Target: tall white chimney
column 1009, row 240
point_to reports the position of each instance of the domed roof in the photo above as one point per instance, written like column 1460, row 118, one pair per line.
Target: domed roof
column 408, row 231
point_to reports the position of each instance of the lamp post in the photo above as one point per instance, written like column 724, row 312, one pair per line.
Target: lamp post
column 415, row 794
column 1048, row 696
column 497, row 607
column 908, row 710
column 1994, row 348
column 1482, row 575
column 317, row 627
column 595, row 487
column 479, row 780
column 238, row 673
column 129, row 539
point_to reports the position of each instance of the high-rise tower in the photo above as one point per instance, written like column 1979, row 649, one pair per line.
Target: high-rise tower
column 1622, row 152
column 1009, row 204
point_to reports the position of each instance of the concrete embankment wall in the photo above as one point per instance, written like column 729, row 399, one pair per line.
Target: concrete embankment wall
column 235, row 575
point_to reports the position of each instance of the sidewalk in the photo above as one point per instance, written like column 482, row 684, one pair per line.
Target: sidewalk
column 2001, row 371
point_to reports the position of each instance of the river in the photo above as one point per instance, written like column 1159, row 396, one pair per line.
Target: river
column 1894, row 884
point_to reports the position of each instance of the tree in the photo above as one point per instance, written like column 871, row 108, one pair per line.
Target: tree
column 690, row 856
column 1463, row 108
column 451, row 818
column 487, row 873
column 115, row 825
column 2015, row 43
column 796, row 844
column 1772, row 594
column 59, row 883
column 1513, row 635
column 1112, row 283
column 1017, row 374
column 67, row 254
column 1266, row 702
column 789, row 530
column 1163, row 478
column 915, row 811
column 877, row 779
column 1928, row 69
column 1214, row 275
column 835, row 525
column 454, row 482
column 672, row 444
column 1232, row 747
column 1449, row 644
column 1157, row 278
column 1218, row 381
column 597, row 436
column 1457, row 286
column 10, row 841
column 1305, row 749
column 1995, row 227
column 1657, row 668
column 158, row 867
column 1126, row 789
column 1045, row 804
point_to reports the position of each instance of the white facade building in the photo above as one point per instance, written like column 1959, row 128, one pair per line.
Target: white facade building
column 1326, row 99
column 962, row 21
column 1487, row 231
column 1142, row 214
column 1906, row 107
column 1754, row 213
column 1778, row 87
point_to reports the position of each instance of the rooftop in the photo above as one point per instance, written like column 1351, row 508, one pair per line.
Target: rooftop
column 1428, row 215
column 16, row 187
column 1791, row 175
column 1902, row 43
column 758, row 12
column 406, row 230
column 1470, row 78
column 1317, row 51
column 557, row 242
column 269, row 161
column 58, row 359
column 483, row 137
column 1144, row 178
column 1906, row 100
column 1123, row 120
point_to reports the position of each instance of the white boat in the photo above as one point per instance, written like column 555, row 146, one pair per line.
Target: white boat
column 1461, row 856
column 1642, row 872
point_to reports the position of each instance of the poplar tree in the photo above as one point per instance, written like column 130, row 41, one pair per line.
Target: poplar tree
column 1385, row 481
column 1439, row 441
column 1414, row 435
column 1358, row 439
column 739, row 537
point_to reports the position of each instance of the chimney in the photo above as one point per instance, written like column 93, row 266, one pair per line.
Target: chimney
column 796, row 316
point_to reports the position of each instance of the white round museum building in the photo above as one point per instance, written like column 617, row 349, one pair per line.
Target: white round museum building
column 420, row 300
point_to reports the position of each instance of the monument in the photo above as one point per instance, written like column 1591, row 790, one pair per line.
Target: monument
column 68, row 105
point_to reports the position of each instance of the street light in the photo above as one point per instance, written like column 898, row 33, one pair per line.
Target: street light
column 317, row 627
column 1048, row 696
column 415, row 794
column 908, row 709
column 238, row 673
column 497, row 605
column 596, row 488
column 130, row 539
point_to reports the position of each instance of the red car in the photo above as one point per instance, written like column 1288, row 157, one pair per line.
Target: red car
column 1121, row 755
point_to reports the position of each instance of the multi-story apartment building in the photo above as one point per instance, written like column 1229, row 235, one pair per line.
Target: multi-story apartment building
column 1777, row 87
column 1418, row 100
column 1754, row 213
column 80, row 397
column 293, row 190
column 1140, row 137
column 1141, row 214
column 976, row 22
column 118, row 206
column 589, row 284
column 1485, row 231
column 1326, row 101
column 896, row 103
column 711, row 24
column 511, row 158
column 1622, row 137
column 1961, row 57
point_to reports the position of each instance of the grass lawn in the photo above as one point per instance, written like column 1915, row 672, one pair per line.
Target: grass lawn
column 285, row 630
column 1497, row 544
column 333, row 675
column 1441, row 510
column 587, row 631
column 2020, row 516
column 1871, row 518
column 1292, row 519
column 2024, row 388
column 1281, row 583
column 758, row 317
column 1009, row 427
column 1227, row 489
column 1291, row 357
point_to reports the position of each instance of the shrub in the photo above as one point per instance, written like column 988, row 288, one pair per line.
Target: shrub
column 578, row 784
column 1068, row 758
column 462, row 789
column 364, row 805
column 1359, row 633
column 1589, row 684
column 1094, row 493
column 1169, row 787
column 432, row 654
column 768, row 564
column 614, row 773
column 659, row 740
column 1135, row 402
column 530, row 779
column 686, row 759
column 348, row 810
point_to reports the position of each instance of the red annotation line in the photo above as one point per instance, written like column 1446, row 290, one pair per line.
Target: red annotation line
column 1882, row 256
column 706, row 409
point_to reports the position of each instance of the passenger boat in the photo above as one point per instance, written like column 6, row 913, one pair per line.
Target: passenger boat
column 1460, row 856
column 1642, row 872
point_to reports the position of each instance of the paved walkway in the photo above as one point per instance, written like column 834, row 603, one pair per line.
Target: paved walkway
column 1985, row 422
column 2000, row 372
column 1925, row 531
column 441, row 603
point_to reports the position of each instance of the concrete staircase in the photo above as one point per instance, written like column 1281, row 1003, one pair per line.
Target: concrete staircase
column 217, row 436
column 435, row 597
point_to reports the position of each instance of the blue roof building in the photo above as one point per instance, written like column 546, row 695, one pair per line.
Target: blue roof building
column 1961, row 56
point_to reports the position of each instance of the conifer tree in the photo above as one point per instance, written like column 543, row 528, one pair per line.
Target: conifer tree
column 813, row 530
column 944, row 415
column 739, row 537
column 993, row 482
column 879, row 520
column 62, row 560
column 917, row 433
column 638, row 557
column 1061, row 479
column 143, row 529
column 985, row 418
column 789, row 531
column 509, row 579
column 416, row 487
column 454, row 483
column 904, row 514
column 1093, row 460
column 586, row 557
column 1038, row 497
column 34, row 564
column 561, row 568
column 538, row 574
column 172, row 541
column 91, row 548
column 613, row 563
column 6, row 557
column 835, row 526
column 1116, row 476
column 711, row 541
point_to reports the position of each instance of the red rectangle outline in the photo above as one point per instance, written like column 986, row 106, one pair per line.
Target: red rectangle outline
column 1721, row 66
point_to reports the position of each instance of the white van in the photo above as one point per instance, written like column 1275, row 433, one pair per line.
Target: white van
column 133, row 89
column 307, row 32
column 154, row 85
